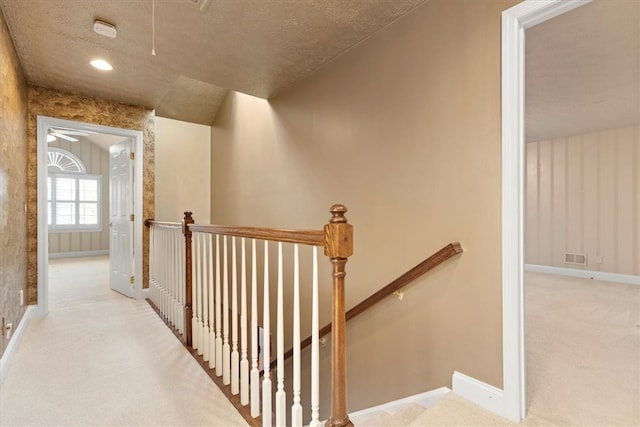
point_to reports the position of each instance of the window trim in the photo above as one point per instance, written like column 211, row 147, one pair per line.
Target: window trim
column 51, row 199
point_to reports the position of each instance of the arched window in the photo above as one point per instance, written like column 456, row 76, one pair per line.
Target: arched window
column 60, row 160
column 74, row 197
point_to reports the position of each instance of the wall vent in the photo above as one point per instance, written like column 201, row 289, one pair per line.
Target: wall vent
column 575, row 259
column 200, row 4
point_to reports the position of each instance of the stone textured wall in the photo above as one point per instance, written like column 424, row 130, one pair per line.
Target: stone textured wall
column 13, row 182
column 68, row 106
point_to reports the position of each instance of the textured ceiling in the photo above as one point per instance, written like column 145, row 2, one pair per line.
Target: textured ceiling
column 583, row 71
column 258, row 47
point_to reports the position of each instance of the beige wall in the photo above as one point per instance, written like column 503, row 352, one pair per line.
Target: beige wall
column 96, row 160
column 13, row 183
column 63, row 105
column 183, row 170
column 583, row 196
column 404, row 130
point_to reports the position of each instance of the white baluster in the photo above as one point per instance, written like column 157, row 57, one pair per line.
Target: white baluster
column 167, row 267
column 255, row 373
column 152, row 274
column 296, row 408
column 244, row 363
column 205, row 299
column 179, row 238
column 218, row 311
column 168, row 276
column 152, row 262
column 210, row 286
column 199, row 288
column 266, row 353
column 281, row 396
column 226, row 348
column 194, row 293
column 170, row 284
column 160, row 272
column 158, row 262
column 235, row 357
column 315, row 348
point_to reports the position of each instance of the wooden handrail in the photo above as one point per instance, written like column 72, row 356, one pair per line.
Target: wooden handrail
column 304, row 237
column 428, row 264
column 150, row 222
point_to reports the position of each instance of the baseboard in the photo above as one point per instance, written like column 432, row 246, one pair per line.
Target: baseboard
column 426, row 399
column 55, row 255
column 585, row 274
column 482, row 394
column 9, row 352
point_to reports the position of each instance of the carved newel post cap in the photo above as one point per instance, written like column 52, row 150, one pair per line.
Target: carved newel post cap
column 338, row 234
column 185, row 224
column 337, row 213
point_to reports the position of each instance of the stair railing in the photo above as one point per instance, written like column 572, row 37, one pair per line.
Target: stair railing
column 392, row 288
column 215, row 325
column 167, row 273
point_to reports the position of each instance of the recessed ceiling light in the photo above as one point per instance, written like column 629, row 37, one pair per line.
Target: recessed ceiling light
column 101, row 64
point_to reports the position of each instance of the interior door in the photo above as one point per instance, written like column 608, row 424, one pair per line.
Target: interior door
column 121, row 218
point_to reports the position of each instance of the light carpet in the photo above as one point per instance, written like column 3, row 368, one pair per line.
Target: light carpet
column 583, row 351
column 583, row 361
column 99, row 358
column 582, row 346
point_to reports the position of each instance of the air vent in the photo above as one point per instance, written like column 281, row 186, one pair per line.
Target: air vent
column 200, row 4
column 575, row 259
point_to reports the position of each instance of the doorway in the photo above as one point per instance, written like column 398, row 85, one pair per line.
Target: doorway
column 102, row 135
column 514, row 23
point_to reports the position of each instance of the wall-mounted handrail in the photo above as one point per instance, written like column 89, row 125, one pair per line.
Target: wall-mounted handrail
column 428, row 264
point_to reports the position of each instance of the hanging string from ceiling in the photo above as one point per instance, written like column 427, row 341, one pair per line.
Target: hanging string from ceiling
column 153, row 27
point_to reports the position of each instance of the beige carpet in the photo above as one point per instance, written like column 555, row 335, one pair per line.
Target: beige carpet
column 583, row 361
column 582, row 342
column 100, row 358
column 583, row 351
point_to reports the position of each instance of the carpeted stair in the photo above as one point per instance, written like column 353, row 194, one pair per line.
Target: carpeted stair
column 451, row 410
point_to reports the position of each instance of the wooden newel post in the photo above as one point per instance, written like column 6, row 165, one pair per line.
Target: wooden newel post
column 188, row 303
column 338, row 246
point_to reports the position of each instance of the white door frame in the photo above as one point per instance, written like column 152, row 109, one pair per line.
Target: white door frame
column 44, row 123
column 514, row 22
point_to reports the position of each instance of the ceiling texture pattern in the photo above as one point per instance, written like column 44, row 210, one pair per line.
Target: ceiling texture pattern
column 582, row 71
column 582, row 68
column 203, row 48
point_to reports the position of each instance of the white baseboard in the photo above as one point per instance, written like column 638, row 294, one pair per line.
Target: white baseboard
column 55, row 255
column 426, row 399
column 9, row 352
column 585, row 274
column 482, row 394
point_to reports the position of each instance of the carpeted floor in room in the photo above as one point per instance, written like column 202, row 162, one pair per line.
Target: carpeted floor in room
column 99, row 358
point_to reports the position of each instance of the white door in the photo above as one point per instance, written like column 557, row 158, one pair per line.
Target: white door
column 121, row 218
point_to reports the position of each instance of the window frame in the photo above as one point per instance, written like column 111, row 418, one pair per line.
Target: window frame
column 52, row 199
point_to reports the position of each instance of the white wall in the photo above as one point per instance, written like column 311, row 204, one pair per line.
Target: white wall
column 583, row 196
column 183, row 170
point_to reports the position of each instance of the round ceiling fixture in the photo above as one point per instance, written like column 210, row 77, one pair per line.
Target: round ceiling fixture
column 101, row 64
